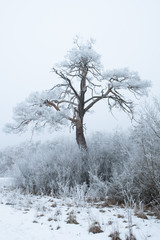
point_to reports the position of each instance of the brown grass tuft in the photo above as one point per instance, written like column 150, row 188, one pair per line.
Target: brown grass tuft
column 95, row 228
column 131, row 237
column 54, row 205
column 120, row 216
column 141, row 215
column 115, row 236
column 71, row 219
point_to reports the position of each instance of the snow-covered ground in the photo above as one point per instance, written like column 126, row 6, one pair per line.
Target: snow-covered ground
column 28, row 217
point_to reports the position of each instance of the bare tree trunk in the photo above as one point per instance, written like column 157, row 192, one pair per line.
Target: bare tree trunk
column 81, row 141
column 80, row 138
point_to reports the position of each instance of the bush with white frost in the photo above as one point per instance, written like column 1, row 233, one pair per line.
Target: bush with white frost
column 140, row 178
column 119, row 166
column 58, row 167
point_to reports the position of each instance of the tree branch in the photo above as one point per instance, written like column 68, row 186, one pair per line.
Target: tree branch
column 68, row 80
column 65, row 101
column 48, row 103
column 98, row 99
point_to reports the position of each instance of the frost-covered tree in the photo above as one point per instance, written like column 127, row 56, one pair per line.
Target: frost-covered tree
column 82, row 84
column 137, row 175
column 147, row 135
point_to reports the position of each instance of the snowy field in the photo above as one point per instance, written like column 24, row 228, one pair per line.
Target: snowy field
column 27, row 217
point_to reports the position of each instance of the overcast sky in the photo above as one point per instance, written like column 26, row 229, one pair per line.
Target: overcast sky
column 36, row 34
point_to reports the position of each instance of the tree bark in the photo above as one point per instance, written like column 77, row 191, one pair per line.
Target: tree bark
column 81, row 141
column 80, row 138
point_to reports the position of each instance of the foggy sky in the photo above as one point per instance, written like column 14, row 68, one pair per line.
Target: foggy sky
column 36, row 34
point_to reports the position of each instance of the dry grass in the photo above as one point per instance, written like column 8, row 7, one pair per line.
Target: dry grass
column 158, row 216
column 115, row 235
column 102, row 211
column 95, row 228
column 110, row 222
column 120, row 216
column 141, row 215
column 151, row 214
column 34, row 221
column 131, row 237
column 54, row 205
column 105, row 204
column 58, row 212
column 40, row 215
column 71, row 219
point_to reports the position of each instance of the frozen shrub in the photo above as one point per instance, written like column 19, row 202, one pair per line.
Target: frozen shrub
column 48, row 167
column 118, row 166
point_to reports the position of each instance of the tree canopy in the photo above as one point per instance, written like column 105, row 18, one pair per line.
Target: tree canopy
column 82, row 83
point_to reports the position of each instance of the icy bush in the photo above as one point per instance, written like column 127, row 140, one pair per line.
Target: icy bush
column 48, row 168
column 60, row 168
column 140, row 178
column 118, row 166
